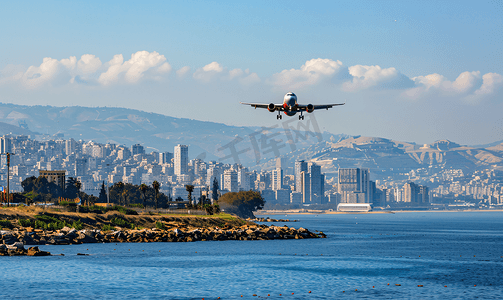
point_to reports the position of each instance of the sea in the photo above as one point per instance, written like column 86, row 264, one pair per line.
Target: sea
column 406, row 255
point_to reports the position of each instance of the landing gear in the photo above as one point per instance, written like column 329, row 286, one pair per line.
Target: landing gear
column 279, row 116
column 301, row 117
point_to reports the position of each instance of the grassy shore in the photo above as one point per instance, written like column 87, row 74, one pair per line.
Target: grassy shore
column 11, row 216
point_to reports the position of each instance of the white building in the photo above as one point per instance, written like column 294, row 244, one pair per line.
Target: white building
column 354, row 207
column 231, row 181
column 181, row 159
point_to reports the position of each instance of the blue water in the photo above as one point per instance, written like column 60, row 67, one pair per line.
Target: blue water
column 362, row 254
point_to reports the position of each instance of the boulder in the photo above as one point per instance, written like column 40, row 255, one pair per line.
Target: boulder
column 35, row 251
column 9, row 239
column 3, row 250
column 84, row 238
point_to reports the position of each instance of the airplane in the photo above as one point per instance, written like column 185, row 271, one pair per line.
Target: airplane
column 290, row 106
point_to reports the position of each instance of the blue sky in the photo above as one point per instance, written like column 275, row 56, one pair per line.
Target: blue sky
column 409, row 70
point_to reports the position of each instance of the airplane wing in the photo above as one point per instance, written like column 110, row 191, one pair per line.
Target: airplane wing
column 319, row 106
column 262, row 105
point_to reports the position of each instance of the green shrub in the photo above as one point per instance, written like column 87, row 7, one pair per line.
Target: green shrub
column 107, row 227
column 159, row 225
column 50, row 223
column 77, row 225
column 25, row 222
column 46, row 218
column 124, row 210
column 5, row 224
column 122, row 223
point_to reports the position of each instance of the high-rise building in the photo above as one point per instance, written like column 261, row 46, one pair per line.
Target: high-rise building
column 305, row 184
column 181, row 159
column 300, row 166
column 123, row 154
column 98, row 151
column 309, row 182
column 354, row 181
column 213, row 173
column 317, row 183
column 410, row 191
column 80, row 166
column 281, row 163
column 277, row 179
column 231, row 180
column 70, row 146
column 417, row 194
column 244, row 179
column 424, row 194
column 137, row 149
column 5, row 144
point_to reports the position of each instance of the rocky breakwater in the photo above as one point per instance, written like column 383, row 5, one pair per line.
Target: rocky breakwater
column 12, row 247
column 68, row 236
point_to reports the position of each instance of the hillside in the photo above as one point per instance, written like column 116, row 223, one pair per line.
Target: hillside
column 385, row 157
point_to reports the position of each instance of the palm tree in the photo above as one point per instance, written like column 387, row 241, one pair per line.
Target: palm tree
column 190, row 189
column 143, row 189
column 156, row 187
column 120, row 185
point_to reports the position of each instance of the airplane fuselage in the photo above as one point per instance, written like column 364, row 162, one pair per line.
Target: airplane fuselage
column 290, row 104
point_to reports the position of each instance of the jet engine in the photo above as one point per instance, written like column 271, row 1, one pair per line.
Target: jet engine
column 271, row 107
column 310, row 108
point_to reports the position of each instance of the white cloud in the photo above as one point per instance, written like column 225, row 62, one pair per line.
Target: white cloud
column 365, row 77
column 214, row 66
column 135, row 68
column 50, row 71
column 466, row 82
column 215, row 71
column 470, row 86
column 182, row 72
column 69, row 63
column 88, row 64
column 491, row 83
column 114, row 69
column 164, row 68
column 311, row 73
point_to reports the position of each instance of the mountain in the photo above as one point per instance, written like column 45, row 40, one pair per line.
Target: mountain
column 207, row 140
column 388, row 158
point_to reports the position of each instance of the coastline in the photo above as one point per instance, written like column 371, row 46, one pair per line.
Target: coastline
column 316, row 212
column 114, row 227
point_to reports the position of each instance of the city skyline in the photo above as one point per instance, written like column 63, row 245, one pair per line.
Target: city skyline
column 438, row 186
column 408, row 71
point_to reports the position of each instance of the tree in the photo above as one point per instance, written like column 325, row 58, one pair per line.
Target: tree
column 214, row 189
column 120, row 186
column 71, row 189
column 40, row 185
column 103, row 194
column 156, row 187
column 190, row 189
column 143, row 189
column 242, row 203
